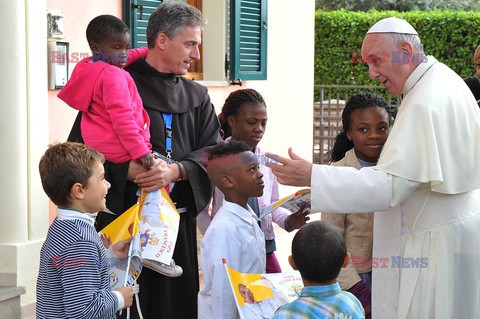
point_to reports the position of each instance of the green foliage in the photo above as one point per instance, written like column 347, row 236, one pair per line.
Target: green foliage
column 450, row 36
column 397, row 5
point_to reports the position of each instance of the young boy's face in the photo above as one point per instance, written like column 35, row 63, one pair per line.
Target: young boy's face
column 248, row 179
column 95, row 191
column 113, row 50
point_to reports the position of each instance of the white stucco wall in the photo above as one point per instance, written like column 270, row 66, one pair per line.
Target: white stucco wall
column 288, row 90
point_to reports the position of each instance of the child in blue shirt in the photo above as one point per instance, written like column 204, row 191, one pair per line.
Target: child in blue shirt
column 319, row 252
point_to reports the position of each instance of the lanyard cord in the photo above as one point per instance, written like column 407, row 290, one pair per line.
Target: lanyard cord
column 167, row 118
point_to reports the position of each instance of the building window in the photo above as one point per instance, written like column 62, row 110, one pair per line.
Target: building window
column 234, row 45
column 248, row 45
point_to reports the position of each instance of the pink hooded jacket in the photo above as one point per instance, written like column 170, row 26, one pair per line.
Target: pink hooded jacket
column 113, row 121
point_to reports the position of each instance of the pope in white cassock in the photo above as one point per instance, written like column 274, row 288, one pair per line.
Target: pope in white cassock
column 424, row 189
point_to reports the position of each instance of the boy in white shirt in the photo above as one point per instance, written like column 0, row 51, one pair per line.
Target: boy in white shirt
column 234, row 233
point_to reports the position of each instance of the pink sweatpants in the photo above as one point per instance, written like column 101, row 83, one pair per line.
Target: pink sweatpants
column 272, row 264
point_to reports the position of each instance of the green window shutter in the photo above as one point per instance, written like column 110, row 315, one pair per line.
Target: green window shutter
column 136, row 14
column 248, row 40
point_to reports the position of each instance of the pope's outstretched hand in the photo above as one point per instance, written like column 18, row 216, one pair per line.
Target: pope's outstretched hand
column 293, row 171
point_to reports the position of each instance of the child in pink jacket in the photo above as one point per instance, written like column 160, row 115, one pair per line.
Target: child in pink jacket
column 114, row 121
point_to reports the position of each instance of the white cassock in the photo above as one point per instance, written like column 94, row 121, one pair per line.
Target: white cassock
column 425, row 192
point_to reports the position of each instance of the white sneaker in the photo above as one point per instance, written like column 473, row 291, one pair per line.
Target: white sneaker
column 171, row 270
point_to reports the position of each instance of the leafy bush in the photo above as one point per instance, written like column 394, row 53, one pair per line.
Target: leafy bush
column 397, row 5
column 450, row 36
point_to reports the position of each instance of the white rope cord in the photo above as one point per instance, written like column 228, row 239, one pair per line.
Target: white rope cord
column 136, row 290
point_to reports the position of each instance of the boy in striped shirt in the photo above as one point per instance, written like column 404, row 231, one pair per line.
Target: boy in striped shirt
column 73, row 280
column 319, row 252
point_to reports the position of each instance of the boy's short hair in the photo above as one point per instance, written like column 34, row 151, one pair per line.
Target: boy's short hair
column 222, row 158
column 65, row 164
column 229, row 148
column 103, row 26
column 318, row 250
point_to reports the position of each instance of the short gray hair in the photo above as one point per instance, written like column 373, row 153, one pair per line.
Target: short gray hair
column 170, row 17
column 396, row 39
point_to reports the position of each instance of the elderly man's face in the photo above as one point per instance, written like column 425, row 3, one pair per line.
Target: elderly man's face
column 377, row 52
column 246, row 294
column 181, row 50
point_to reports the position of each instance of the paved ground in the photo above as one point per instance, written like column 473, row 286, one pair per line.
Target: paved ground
column 284, row 244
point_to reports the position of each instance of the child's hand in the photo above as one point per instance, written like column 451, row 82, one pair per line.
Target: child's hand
column 160, row 175
column 147, row 161
column 300, row 218
column 121, row 248
column 127, row 294
column 106, row 241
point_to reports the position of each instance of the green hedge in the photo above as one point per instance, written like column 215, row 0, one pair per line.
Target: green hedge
column 450, row 36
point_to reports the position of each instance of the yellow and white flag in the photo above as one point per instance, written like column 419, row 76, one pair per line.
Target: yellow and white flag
column 124, row 227
column 158, row 226
column 255, row 296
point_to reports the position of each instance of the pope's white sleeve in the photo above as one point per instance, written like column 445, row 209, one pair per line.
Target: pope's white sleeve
column 400, row 189
column 346, row 189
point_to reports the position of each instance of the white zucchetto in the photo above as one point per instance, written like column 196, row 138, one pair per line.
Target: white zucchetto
column 392, row 25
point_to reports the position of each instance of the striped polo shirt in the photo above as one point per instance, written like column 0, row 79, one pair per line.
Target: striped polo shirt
column 73, row 280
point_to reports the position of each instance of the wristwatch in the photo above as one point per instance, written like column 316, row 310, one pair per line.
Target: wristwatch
column 180, row 172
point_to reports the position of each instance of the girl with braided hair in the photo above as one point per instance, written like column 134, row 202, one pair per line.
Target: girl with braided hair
column 365, row 128
column 244, row 118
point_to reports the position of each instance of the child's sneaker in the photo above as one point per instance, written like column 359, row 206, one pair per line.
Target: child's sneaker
column 171, row 270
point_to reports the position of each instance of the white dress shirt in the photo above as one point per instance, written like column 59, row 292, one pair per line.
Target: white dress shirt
column 270, row 195
column 234, row 234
